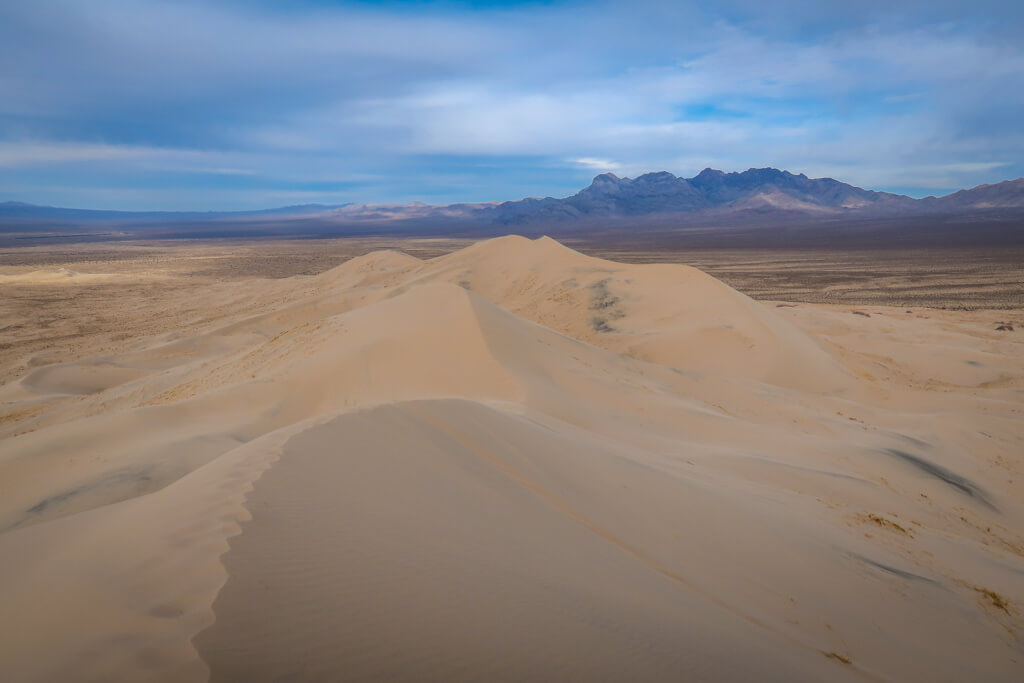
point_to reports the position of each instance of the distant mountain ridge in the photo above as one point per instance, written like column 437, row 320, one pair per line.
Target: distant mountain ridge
column 755, row 207
column 757, row 190
column 711, row 190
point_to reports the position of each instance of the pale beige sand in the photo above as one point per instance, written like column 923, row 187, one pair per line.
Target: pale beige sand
column 61, row 276
column 467, row 543
column 518, row 462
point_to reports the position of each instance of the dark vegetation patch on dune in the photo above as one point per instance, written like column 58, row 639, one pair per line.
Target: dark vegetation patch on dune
column 606, row 304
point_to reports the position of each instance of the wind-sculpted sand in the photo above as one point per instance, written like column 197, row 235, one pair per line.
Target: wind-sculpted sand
column 517, row 462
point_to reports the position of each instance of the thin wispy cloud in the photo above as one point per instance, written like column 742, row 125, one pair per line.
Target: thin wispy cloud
column 600, row 165
column 170, row 102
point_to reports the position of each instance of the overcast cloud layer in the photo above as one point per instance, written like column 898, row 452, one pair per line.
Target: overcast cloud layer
column 228, row 105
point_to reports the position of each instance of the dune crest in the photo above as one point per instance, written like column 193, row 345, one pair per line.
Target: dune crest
column 518, row 461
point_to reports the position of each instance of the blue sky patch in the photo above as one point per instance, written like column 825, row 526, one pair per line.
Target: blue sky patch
column 153, row 104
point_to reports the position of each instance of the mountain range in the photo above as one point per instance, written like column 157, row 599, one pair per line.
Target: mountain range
column 758, row 190
column 712, row 200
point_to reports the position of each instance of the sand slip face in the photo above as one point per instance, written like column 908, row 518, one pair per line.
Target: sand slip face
column 447, row 540
column 581, row 559
column 518, row 462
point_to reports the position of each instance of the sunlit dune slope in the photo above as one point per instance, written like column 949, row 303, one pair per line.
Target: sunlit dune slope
column 667, row 314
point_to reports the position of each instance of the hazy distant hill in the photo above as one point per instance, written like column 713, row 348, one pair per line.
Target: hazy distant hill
column 759, row 206
column 1004, row 195
column 712, row 193
column 24, row 211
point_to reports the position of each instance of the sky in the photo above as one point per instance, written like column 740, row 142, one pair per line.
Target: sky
column 232, row 104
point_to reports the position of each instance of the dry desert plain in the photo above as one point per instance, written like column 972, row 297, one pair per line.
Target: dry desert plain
column 509, row 461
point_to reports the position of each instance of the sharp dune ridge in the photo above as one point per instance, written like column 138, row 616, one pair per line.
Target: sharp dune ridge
column 518, row 462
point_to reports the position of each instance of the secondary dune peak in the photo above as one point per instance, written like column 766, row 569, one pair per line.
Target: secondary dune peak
column 673, row 315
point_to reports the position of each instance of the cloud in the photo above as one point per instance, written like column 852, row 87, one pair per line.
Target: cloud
column 28, row 153
column 447, row 103
column 599, row 165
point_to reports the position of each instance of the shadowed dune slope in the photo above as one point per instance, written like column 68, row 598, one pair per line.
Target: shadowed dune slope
column 517, row 462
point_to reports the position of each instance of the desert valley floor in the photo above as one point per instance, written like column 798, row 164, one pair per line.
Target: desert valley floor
column 506, row 461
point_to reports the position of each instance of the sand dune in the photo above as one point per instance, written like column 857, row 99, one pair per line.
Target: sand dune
column 667, row 314
column 517, row 462
column 60, row 276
